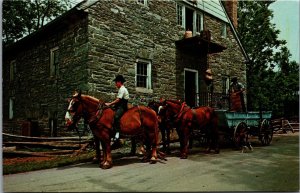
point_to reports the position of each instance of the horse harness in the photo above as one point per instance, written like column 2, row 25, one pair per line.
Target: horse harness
column 184, row 108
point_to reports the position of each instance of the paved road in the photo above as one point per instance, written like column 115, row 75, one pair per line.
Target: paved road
column 269, row 168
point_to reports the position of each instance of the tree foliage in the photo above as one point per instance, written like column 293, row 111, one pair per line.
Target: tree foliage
column 272, row 80
column 21, row 18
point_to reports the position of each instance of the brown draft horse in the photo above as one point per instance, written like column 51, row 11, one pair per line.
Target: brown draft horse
column 139, row 121
column 188, row 119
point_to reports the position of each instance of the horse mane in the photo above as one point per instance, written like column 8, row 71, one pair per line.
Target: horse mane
column 173, row 101
column 92, row 99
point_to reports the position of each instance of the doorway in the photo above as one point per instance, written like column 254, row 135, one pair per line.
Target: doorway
column 190, row 87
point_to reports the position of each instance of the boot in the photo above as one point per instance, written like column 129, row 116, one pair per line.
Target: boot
column 117, row 142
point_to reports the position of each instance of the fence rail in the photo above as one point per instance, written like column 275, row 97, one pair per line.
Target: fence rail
column 215, row 100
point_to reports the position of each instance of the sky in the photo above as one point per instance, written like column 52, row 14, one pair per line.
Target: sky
column 286, row 19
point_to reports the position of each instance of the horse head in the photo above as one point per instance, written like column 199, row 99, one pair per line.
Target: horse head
column 169, row 109
column 74, row 111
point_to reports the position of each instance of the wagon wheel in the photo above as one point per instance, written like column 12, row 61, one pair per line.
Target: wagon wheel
column 240, row 135
column 265, row 133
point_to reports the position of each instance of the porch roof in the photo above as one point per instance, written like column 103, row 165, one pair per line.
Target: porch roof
column 197, row 45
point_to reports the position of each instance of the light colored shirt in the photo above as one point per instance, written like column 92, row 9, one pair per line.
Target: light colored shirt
column 123, row 93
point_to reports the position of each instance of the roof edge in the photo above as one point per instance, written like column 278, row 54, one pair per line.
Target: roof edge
column 235, row 33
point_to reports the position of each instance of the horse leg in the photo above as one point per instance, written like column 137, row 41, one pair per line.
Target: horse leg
column 168, row 131
column 98, row 157
column 133, row 146
column 191, row 141
column 216, row 141
column 186, row 137
column 180, row 139
column 163, row 136
column 153, row 148
column 184, row 153
column 107, row 161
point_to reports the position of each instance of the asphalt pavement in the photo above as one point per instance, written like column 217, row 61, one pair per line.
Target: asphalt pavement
column 267, row 168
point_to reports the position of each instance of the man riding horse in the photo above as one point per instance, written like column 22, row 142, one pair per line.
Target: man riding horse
column 120, row 106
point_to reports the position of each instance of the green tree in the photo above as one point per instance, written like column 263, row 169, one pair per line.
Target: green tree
column 21, row 18
column 271, row 76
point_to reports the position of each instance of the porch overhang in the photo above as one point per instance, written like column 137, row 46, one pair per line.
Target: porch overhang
column 197, row 45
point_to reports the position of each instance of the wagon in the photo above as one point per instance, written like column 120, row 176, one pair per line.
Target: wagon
column 240, row 125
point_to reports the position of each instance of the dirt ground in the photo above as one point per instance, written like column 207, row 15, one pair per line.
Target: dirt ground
column 12, row 161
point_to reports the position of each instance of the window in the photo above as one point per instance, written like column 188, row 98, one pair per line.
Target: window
column 54, row 61
column 199, row 22
column 224, row 30
column 144, row 2
column 225, row 85
column 12, row 70
column 11, row 108
column 180, row 13
column 143, row 74
column 189, row 19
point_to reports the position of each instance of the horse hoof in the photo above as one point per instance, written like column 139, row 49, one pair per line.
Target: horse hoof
column 183, row 156
column 106, row 165
column 153, row 160
column 95, row 160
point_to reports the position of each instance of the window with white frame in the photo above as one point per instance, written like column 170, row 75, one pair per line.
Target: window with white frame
column 189, row 19
column 199, row 22
column 143, row 74
column 180, row 12
column 144, row 2
column 225, row 84
column 54, row 61
column 224, row 30
column 11, row 108
column 12, row 70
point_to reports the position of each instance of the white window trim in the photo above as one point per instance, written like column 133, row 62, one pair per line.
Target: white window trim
column 11, row 108
column 224, row 30
column 52, row 60
column 145, row 2
column 197, row 83
column 12, row 70
column 182, row 14
column 148, row 88
column 195, row 13
column 227, row 83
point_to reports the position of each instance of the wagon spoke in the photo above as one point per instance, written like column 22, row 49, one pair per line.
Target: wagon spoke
column 266, row 132
column 240, row 137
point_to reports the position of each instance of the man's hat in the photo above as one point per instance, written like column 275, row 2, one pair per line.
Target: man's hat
column 234, row 79
column 119, row 78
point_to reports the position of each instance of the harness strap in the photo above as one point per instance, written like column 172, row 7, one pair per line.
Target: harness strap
column 184, row 108
column 99, row 113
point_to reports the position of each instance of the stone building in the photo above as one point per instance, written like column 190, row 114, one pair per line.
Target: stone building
column 143, row 40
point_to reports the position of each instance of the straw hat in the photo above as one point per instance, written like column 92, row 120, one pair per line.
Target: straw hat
column 208, row 74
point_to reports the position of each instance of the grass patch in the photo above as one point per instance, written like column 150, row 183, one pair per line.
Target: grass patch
column 56, row 162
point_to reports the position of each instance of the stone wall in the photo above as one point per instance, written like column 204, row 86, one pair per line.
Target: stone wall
column 94, row 48
column 123, row 32
column 231, row 61
column 38, row 96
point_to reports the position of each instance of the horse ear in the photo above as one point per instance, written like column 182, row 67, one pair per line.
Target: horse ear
column 79, row 93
